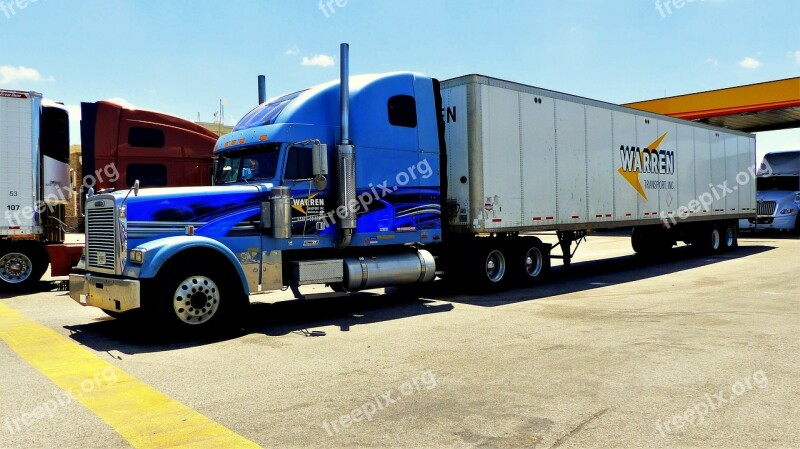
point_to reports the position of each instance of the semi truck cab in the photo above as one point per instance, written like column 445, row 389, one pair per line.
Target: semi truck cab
column 778, row 196
column 294, row 203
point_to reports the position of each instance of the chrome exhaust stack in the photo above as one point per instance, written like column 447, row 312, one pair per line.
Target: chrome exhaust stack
column 345, row 155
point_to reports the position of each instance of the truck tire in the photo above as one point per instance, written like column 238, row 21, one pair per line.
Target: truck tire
column 491, row 268
column 709, row 239
column 730, row 237
column 639, row 242
column 532, row 262
column 22, row 265
column 649, row 241
column 198, row 298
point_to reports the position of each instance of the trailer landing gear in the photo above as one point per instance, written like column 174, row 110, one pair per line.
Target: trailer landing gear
column 565, row 239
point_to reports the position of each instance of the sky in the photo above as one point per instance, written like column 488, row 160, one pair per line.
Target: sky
column 182, row 57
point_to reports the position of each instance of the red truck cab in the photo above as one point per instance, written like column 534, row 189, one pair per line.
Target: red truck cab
column 121, row 145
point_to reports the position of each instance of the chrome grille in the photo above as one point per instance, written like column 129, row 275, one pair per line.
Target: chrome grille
column 767, row 207
column 101, row 238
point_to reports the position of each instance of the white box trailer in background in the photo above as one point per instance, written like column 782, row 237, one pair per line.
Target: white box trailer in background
column 522, row 159
column 34, row 187
column 19, row 174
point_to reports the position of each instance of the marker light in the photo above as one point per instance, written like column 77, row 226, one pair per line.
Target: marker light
column 137, row 255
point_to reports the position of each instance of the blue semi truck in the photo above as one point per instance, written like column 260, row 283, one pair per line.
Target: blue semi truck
column 393, row 179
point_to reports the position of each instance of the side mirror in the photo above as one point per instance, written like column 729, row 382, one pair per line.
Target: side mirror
column 136, row 188
column 319, row 163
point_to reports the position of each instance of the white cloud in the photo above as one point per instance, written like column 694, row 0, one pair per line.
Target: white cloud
column 122, row 102
column 797, row 56
column 318, row 60
column 713, row 61
column 293, row 50
column 750, row 63
column 10, row 74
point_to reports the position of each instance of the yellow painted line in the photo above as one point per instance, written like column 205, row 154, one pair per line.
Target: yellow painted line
column 143, row 416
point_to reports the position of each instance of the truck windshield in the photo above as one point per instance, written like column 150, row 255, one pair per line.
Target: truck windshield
column 790, row 183
column 249, row 165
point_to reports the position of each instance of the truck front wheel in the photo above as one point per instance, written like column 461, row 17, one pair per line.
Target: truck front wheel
column 22, row 264
column 198, row 299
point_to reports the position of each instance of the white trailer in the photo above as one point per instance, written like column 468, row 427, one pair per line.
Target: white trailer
column 34, row 187
column 522, row 159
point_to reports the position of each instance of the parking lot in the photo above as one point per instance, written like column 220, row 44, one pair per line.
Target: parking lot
column 688, row 351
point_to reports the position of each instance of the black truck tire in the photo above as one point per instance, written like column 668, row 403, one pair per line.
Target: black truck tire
column 197, row 298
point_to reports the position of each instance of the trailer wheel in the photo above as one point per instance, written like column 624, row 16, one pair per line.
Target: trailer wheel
column 535, row 262
column 731, row 239
column 22, row 265
column 709, row 239
column 491, row 268
column 198, row 298
column 639, row 242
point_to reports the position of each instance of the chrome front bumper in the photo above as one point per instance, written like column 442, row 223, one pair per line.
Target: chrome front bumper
column 784, row 222
column 116, row 295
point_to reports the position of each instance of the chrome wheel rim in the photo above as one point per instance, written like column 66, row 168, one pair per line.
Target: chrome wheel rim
column 495, row 266
column 533, row 262
column 196, row 300
column 15, row 268
column 729, row 237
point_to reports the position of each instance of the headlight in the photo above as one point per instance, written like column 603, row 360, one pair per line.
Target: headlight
column 137, row 255
column 785, row 211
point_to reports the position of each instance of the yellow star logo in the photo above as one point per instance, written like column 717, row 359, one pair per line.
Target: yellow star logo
column 633, row 176
column 302, row 208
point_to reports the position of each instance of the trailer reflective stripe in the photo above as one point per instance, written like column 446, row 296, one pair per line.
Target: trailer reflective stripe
column 143, row 416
